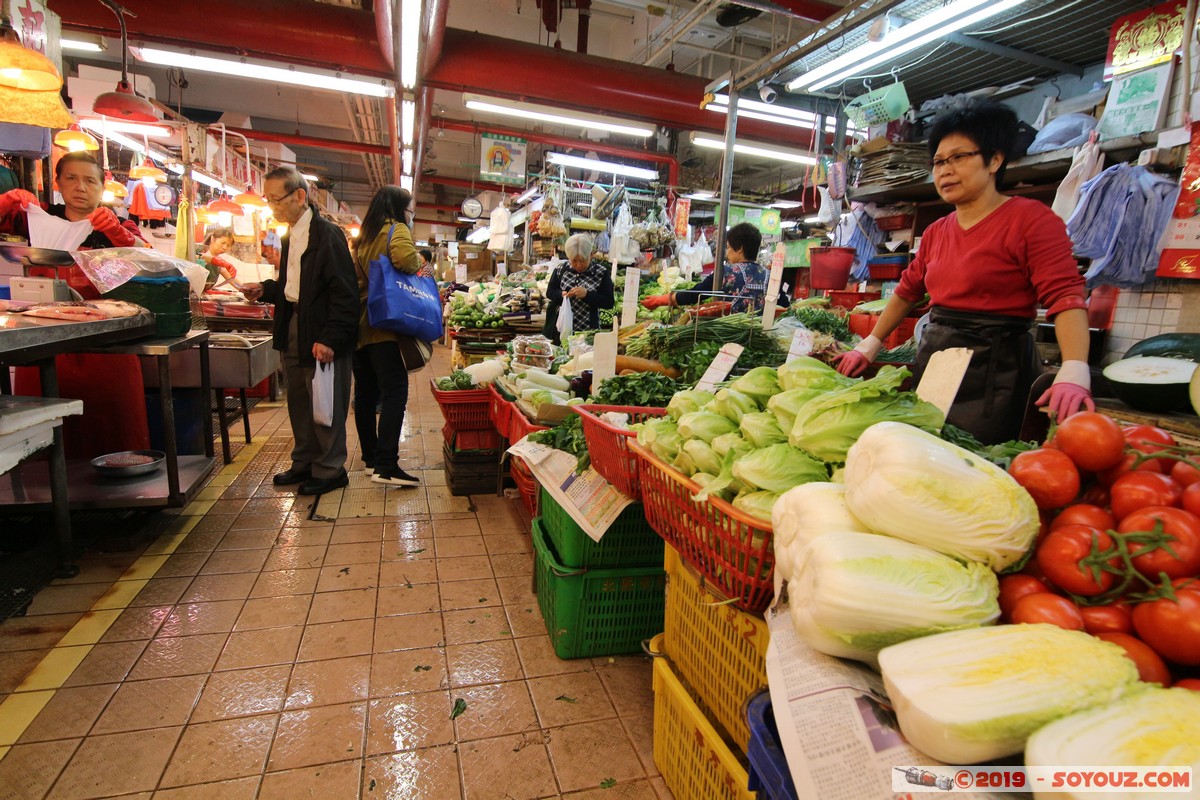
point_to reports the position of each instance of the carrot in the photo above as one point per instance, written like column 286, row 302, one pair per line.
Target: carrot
column 644, row 365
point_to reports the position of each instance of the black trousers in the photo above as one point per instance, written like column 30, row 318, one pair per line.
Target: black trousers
column 380, row 379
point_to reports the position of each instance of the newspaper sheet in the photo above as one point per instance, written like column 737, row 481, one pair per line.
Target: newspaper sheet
column 836, row 725
column 591, row 501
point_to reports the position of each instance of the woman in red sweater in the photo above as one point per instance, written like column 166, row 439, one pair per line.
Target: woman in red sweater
column 987, row 267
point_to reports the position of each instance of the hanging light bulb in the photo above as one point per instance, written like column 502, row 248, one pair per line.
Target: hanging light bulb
column 225, row 209
column 124, row 103
column 29, row 86
column 147, row 173
column 224, row 219
column 75, row 140
column 117, row 188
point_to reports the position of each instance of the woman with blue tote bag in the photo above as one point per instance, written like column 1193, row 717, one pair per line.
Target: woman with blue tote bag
column 384, row 358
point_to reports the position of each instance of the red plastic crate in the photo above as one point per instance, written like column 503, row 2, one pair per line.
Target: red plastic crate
column 527, row 485
column 464, row 410
column 463, row 441
column 500, row 411
column 903, row 332
column 519, row 426
column 731, row 549
column 608, row 444
column 848, row 299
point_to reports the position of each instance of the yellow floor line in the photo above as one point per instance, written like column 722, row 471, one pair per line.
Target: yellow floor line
column 18, row 711
column 144, row 567
column 197, row 508
column 53, row 670
column 165, row 545
column 120, row 594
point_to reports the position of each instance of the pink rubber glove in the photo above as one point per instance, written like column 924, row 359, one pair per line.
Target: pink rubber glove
column 1071, row 391
column 104, row 221
column 654, row 301
column 853, row 364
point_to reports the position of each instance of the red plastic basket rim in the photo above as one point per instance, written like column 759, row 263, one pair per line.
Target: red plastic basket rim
column 457, row 395
column 592, row 412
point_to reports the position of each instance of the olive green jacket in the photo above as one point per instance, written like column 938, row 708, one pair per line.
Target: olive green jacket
column 405, row 258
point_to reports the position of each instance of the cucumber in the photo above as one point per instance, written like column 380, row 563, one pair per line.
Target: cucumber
column 1152, row 383
column 1169, row 345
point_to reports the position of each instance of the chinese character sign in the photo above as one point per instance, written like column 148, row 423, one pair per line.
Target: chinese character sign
column 39, row 28
column 502, row 158
column 1145, row 38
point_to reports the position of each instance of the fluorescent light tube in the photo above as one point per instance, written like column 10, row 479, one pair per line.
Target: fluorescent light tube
column 468, row 220
column 811, row 220
column 241, row 68
column 527, row 194
column 778, row 154
column 80, row 45
column 507, row 108
column 788, row 224
column 406, row 182
column 899, row 41
column 110, row 126
column 406, row 160
column 308, row 176
column 704, row 197
column 200, row 177
column 410, row 37
column 602, row 166
column 786, row 204
column 408, row 117
column 479, row 236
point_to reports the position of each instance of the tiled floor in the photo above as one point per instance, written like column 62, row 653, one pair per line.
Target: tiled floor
column 250, row 651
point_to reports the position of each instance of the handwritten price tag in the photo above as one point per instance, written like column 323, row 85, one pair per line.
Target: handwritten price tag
column 772, row 295
column 720, row 367
column 629, row 301
column 802, row 344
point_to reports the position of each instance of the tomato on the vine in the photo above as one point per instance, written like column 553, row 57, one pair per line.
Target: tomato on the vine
column 1184, row 529
column 1185, row 473
column 1014, row 587
column 1060, row 555
column 1171, row 627
column 1191, row 499
column 1049, row 608
column 1149, row 439
column 1093, row 441
column 1150, row 667
column 1095, row 494
column 1188, row 683
column 1112, row 618
column 1109, row 476
column 1050, row 476
column 1084, row 514
column 1141, row 489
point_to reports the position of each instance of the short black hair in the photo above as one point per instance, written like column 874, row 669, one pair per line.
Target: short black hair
column 427, row 255
column 78, row 156
column 389, row 205
column 990, row 125
column 745, row 237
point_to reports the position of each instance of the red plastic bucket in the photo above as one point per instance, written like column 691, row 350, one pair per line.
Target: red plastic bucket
column 830, row 266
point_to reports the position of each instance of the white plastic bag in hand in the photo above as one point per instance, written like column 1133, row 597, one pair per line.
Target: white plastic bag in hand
column 322, row 394
column 55, row 233
column 566, row 319
column 1085, row 165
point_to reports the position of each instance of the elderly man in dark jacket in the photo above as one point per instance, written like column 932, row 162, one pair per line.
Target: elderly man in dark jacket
column 316, row 320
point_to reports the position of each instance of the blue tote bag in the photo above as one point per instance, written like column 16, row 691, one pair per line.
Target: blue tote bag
column 402, row 303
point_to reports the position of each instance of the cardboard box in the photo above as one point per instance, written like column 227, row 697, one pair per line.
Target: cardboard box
column 478, row 261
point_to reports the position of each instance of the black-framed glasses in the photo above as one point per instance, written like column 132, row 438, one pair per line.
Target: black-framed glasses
column 274, row 201
column 953, row 160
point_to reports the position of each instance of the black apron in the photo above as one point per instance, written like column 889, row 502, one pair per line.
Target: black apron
column 991, row 401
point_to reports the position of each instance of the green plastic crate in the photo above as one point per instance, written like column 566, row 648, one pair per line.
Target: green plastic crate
column 596, row 612
column 630, row 542
column 166, row 297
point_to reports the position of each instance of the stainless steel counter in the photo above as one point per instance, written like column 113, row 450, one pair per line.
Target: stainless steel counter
column 25, row 339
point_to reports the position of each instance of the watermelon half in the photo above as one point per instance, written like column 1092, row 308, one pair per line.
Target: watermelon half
column 1154, row 383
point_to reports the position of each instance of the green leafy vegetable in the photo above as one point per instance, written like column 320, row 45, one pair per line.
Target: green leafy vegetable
column 807, row 372
column 778, row 468
column 662, row 437
column 756, row 504
column 568, row 437
column 823, row 320
column 687, row 401
column 761, row 429
column 456, row 381
column 460, row 706
column 760, row 383
column 702, row 455
column 732, row 404
column 705, row 425
column 642, row 389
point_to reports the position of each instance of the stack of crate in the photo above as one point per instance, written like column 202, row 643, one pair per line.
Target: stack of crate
column 597, row 598
column 714, row 662
column 472, row 460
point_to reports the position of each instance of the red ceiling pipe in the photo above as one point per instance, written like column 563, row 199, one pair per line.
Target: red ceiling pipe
column 383, row 31
column 424, row 103
column 813, row 10
column 389, row 109
column 563, row 141
column 435, row 31
column 451, row 222
column 316, row 34
column 313, row 141
column 542, row 74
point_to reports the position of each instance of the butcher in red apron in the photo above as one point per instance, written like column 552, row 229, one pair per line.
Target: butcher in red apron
column 987, row 267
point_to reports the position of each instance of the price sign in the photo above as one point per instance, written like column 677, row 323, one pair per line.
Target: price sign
column 802, row 344
column 629, row 302
column 772, row 296
column 604, row 358
column 460, row 273
column 720, row 368
column 501, row 269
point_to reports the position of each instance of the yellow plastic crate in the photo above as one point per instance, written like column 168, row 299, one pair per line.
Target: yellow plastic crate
column 694, row 760
column 718, row 650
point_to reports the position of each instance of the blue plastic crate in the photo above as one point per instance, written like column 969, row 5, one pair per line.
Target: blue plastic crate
column 769, row 774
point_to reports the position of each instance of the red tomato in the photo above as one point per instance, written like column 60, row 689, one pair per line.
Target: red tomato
column 1108, row 476
column 1084, row 514
column 1150, row 667
column 1093, row 441
column 1060, row 554
column 1049, row 476
column 1014, row 587
column 1114, row 618
column 1188, row 683
column 1171, row 627
column 1048, row 608
column 1096, row 495
column 1191, row 499
column 1141, row 489
column 1183, row 526
column 1149, row 439
column 1185, row 473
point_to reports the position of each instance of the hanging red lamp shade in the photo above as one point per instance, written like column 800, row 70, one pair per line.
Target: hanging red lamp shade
column 221, row 204
column 116, row 187
column 123, row 104
column 147, row 170
column 74, row 140
column 250, row 199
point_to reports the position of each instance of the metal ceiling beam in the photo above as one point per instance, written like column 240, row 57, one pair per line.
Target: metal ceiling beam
column 313, row 141
column 1004, row 51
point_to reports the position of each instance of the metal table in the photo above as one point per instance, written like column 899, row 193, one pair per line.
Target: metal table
column 183, row 474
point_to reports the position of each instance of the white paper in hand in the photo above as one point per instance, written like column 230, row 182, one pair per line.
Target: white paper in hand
column 55, row 233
